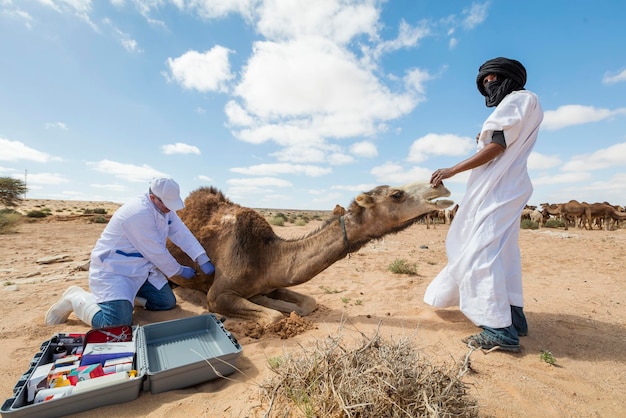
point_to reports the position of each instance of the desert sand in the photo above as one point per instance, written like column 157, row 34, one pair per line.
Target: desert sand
column 574, row 290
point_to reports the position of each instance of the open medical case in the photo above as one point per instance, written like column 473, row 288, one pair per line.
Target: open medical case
column 168, row 355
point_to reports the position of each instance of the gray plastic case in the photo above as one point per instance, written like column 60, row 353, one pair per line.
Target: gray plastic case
column 169, row 355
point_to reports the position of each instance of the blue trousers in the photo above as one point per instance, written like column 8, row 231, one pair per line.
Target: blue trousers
column 120, row 312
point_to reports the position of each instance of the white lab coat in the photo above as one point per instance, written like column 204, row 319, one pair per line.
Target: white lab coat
column 484, row 273
column 132, row 249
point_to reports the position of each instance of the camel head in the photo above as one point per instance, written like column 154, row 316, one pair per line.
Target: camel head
column 387, row 209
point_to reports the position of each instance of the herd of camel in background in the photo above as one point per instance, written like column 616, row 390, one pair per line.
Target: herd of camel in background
column 573, row 213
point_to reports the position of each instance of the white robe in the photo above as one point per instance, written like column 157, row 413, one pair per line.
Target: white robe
column 132, row 249
column 484, row 272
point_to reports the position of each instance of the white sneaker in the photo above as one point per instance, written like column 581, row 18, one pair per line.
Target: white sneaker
column 58, row 313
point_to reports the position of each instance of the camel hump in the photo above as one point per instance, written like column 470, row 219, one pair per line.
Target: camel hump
column 207, row 193
column 339, row 210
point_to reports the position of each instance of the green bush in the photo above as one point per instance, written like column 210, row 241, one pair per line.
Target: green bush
column 99, row 220
column 277, row 221
column 9, row 220
column 528, row 224
column 300, row 222
column 37, row 214
column 401, row 266
column 97, row 211
column 554, row 223
column 8, row 211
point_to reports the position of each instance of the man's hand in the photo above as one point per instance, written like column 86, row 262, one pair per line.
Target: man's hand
column 187, row 273
column 207, row 268
column 438, row 176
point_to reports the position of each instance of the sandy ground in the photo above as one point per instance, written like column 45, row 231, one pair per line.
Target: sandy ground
column 574, row 289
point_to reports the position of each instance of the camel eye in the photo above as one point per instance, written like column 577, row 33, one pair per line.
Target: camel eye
column 397, row 194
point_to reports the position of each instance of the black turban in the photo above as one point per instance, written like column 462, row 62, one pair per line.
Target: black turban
column 511, row 74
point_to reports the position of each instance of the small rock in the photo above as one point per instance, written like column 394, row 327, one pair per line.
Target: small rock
column 54, row 259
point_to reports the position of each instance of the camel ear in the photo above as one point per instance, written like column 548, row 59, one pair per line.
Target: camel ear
column 364, row 200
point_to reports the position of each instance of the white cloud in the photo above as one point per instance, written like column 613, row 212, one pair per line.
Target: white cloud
column 118, row 188
column 354, row 188
column 577, row 177
column 340, row 21
column 440, row 144
column 570, row 115
column 284, row 168
column 128, row 172
column 392, row 173
column 408, row 36
column 315, row 84
column 614, row 78
column 130, row 45
column 18, row 15
column 213, row 9
column 205, row 179
column 16, row 151
column 45, row 179
column 79, row 8
column 537, row 161
column 329, row 199
column 339, row 158
column 179, row 148
column 610, row 190
column 283, row 134
column 475, row 15
column 416, row 79
column 300, row 154
column 259, row 182
column 123, row 38
column 203, row 72
column 237, row 116
column 364, row 149
column 59, row 125
column 613, row 156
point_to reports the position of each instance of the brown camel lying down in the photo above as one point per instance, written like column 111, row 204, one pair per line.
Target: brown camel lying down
column 254, row 266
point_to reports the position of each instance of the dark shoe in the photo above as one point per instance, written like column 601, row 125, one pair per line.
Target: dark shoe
column 493, row 338
column 519, row 320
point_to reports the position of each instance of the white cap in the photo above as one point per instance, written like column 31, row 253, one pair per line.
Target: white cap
column 168, row 191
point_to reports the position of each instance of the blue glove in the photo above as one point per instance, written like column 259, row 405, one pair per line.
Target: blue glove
column 207, row 268
column 187, row 273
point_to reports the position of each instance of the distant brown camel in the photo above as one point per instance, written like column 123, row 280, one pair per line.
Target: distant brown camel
column 254, row 266
column 579, row 212
column 570, row 211
column 550, row 209
column 603, row 214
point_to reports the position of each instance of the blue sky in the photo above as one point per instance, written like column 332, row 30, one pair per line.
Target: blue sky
column 300, row 104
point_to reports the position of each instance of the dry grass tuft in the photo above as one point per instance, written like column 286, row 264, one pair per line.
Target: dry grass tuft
column 378, row 378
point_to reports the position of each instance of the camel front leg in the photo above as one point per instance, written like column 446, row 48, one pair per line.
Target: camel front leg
column 233, row 305
column 287, row 301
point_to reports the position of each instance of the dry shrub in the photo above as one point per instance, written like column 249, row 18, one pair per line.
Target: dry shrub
column 376, row 379
column 9, row 221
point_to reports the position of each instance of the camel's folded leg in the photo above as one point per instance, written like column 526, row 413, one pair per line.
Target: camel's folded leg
column 232, row 305
column 287, row 301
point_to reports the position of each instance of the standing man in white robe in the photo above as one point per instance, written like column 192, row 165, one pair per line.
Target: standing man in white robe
column 130, row 263
column 484, row 272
